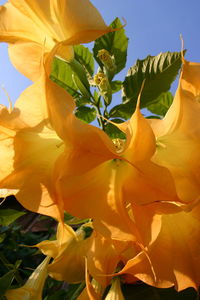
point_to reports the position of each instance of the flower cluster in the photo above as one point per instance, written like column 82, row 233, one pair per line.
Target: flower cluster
column 140, row 195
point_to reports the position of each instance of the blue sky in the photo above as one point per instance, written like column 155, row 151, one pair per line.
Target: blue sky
column 153, row 26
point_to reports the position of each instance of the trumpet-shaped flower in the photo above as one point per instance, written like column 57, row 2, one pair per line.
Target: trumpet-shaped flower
column 99, row 180
column 178, row 135
column 75, row 255
column 29, row 148
column 174, row 256
column 173, row 259
column 69, row 251
column 33, row 28
column 32, row 289
column 70, row 172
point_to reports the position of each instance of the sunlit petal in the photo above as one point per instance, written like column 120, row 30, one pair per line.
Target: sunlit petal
column 173, row 258
column 33, row 288
column 178, row 135
column 46, row 25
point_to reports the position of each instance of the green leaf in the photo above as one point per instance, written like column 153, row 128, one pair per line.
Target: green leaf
column 85, row 58
column 82, row 101
column 62, row 75
column 113, row 131
column 86, row 114
column 116, row 43
column 157, row 71
column 123, row 111
column 162, row 104
column 5, row 281
column 7, row 216
column 116, row 86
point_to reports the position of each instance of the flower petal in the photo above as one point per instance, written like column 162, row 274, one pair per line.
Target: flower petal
column 93, row 190
column 80, row 21
column 178, row 135
column 102, row 259
column 155, row 182
column 174, row 256
column 15, row 26
column 29, row 149
column 68, row 251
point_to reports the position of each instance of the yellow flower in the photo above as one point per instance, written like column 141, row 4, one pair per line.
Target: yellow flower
column 69, row 251
column 100, row 180
column 174, row 256
column 32, row 290
column 71, row 248
column 178, row 135
column 68, row 171
column 33, row 28
column 178, row 139
column 29, row 148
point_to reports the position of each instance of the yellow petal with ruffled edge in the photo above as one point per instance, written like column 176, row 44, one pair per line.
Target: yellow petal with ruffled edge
column 33, row 288
column 80, row 20
column 174, row 257
column 178, row 135
column 94, row 180
column 29, row 148
column 46, row 25
column 155, row 182
column 102, row 258
column 69, row 251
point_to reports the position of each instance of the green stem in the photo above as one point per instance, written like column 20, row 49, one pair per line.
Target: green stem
column 99, row 119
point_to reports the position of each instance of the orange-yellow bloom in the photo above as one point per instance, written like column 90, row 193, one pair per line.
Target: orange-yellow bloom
column 98, row 180
column 178, row 135
column 29, row 148
column 74, row 255
column 33, row 28
column 70, row 172
column 174, row 256
column 32, row 289
column 69, row 251
column 173, row 259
